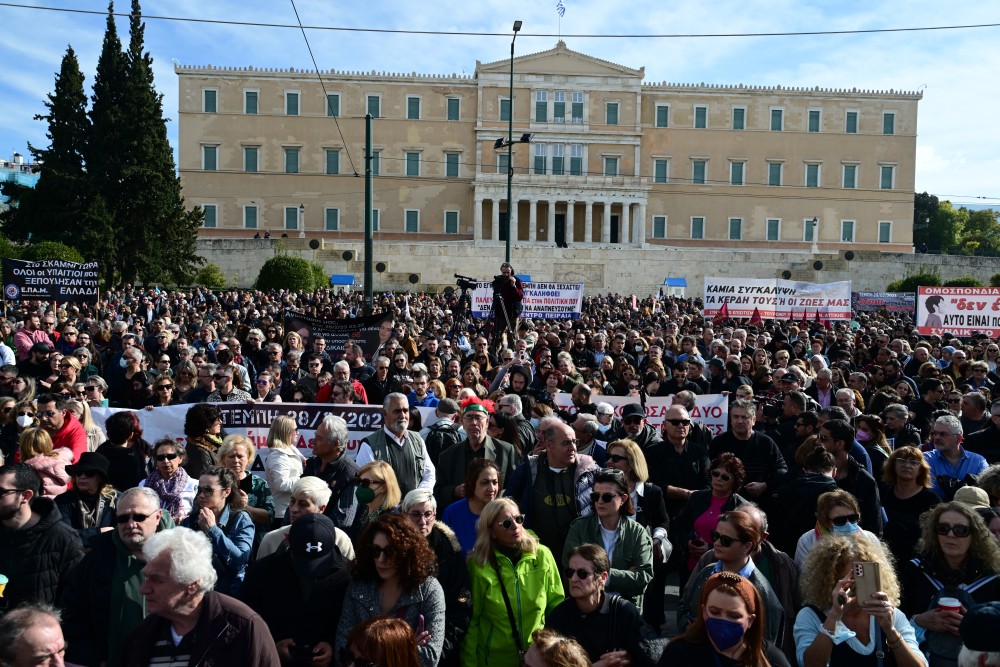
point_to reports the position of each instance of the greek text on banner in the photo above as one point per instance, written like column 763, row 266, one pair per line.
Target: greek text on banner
column 778, row 299
column 960, row 311
column 550, row 301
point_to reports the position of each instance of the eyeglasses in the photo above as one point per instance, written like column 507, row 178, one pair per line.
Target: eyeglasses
column 633, row 386
column 367, row 483
column 263, row 382
column 603, row 497
column 48, row 413
column 6, row 492
column 164, row 387
column 348, row 658
column 122, row 519
column 378, row 552
column 507, row 524
column 957, row 529
column 954, row 400
column 420, row 516
column 678, row 422
column 90, row 388
column 206, row 490
column 616, row 458
column 724, row 540
column 166, row 457
column 843, row 520
column 579, row 573
column 221, row 376
column 724, row 476
column 908, row 463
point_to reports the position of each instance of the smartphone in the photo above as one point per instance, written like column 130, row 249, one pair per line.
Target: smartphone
column 867, row 580
column 420, row 623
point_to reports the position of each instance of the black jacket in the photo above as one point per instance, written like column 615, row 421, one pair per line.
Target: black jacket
column 616, row 625
column 37, row 560
column 797, row 504
column 985, row 443
column 453, row 575
column 863, row 486
column 126, row 465
column 71, row 505
column 646, row 438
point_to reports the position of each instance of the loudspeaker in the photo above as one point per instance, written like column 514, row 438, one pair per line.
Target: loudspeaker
column 849, row 255
column 381, row 267
column 786, row 274
column 349, row 255
column 818, row 265
column 314, row 244
column 413, row 279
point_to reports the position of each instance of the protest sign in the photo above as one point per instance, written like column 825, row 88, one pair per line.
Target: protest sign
column 50, row 280
column 370, row 332
column 961, row 311
column 777, row 299
column 903, row 303
column 549, row 301
column 712, row 410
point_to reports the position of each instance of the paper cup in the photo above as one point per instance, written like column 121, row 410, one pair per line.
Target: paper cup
column 949, row 604
column 3, row 584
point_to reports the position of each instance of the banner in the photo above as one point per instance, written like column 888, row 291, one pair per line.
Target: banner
column 50, row 280
column 903, row 303
column 548, row 301
column 961, row 311
column 370, row 332
column 778, row 299
column 712, row 410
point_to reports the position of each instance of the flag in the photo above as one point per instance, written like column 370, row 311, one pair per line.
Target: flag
column 406, row 311
column 722, row 315
column 755, row 319
column 827, row 325
column 635, row 303
column 817, row 316
column 561, row 9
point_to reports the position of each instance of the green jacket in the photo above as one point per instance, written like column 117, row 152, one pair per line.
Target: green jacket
column 634, row 548
column 534, row 587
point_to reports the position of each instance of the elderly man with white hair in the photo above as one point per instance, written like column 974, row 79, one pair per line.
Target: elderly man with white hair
column 188, row 622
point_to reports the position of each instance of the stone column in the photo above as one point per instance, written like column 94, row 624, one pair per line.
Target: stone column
column 477, row 220
column 532, row 220
column 625, row 236
column 551, row 224
column 496, row 220
column 606, row 223
column 570, row 235
column 640, row 230
column 588, row 222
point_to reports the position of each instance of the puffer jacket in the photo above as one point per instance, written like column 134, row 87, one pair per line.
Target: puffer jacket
column 37, row 560
column 52, row 470
column 534, row 587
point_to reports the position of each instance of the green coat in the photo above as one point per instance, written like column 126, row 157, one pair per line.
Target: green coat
column 534, row 587
column 634, row 548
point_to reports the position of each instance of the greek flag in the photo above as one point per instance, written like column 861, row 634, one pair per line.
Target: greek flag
column 561, row 9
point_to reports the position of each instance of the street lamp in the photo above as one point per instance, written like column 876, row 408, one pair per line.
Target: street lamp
column 510, row 143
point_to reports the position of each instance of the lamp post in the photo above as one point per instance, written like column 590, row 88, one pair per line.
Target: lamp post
column 510, row 144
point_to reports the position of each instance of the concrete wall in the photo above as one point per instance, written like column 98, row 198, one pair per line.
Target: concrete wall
column 601, row 268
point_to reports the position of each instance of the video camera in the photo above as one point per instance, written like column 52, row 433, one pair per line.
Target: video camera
column 465, row 282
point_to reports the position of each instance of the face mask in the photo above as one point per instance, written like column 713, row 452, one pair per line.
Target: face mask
column 364, row 495
column 638, row 348
column 603, row 428
column 863, row 436
column 534, row 422
column 123, row 362
column 847, row 529
column 724, row 633
column 24, row 421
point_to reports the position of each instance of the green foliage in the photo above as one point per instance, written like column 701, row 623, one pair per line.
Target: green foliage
column 980, row 233
column 964, row 281
column 210, row 275
column 286, row 272
column 911, row 283
column 36, row 252
column 995, row 280
column 8, row 250
column 925, row 209
column 319, row 274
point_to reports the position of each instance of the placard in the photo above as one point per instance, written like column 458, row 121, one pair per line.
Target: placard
column 50, row 280
column 960, row 311
column 778, row 299
column 548, row 301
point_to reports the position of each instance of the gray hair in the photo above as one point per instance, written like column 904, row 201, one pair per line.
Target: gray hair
column 382, row 358
column 190, row 556
column 394, row 396
column 969, row 658
column 294, row 355
column 210, row 367
column 99, row 382
column 747, row 405
column 976, row 399
column 687, row 399
column 313, row 488
column 152, row 498
column 897, row 410
column 15, row 623
column 951, row 422
column 342, row 366
column 548, row 424
column 847, row 392
column 514, row 401
column 337, row 427
column 419, row 497
column 590, row 423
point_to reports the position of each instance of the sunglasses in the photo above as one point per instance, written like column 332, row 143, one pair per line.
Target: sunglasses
column 48, row 413
column 507, row 524
column 86, row 473
column 221, row 377
column 633, row 386
column 678, row 422
column 724, row 476
column 347, row 658
column 843, row 520
column 205, row 489
column 579, row 573
column 603, row 497
column 616, row 458
column 958, row 529
column 25, row 414
column 122, row 519
column 367, row 482
column 724, row 540
column 378, row 552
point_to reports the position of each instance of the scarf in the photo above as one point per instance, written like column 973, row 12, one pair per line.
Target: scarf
column 169, row 490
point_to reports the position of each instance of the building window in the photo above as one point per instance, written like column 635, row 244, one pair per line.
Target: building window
column 576, row 160
column 558, row 159
column 376, row 219
column 412, row 108
column 735, row 229
column 812, row 175
column 662, row 115
column 577, row 110
column 333, row 105
column 451, row 222
column 774, row 173
column 610, row 166
column 250, row 159
column 331, row 219
column 661, row 171
column 814, row 120
column 502, row 163
column 777, row 120
column 539, row 159
column 611, row 113
column 291, row 217
column 332, row 161
column 291, row 160
column 454, row 107
column 736, row 173
column 888, row 122
column 412, row 220
column 698, row 170
column 700, row 116
column 698, row 227
column 374, row 105
column 451, row 165
column 209, row 158
column 559, row 107
column 888, row 174
column 291, row 103
column 739, row 118
column 659, row 226
column 250, row 217
column 808, row 230
column 250, row 102
column 211, row 212
column 773, row 229
column 210, row 101
column 412, row 163
column 884, row 231
column 504, row 109
column 847, row 231
column 850, row 176
column 376, row 162
column 541, row 106
column 851, row 122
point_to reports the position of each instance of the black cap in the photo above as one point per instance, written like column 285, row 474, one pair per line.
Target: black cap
column 311, row 541
column 979, row 628
column 633, row 410
column 89, row 462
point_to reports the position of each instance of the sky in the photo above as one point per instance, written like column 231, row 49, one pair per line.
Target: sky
column 958, row 154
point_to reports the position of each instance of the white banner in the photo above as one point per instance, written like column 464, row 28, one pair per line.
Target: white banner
column 778, row 299
column 712, row 410
column 961, row 311
column 549, row 301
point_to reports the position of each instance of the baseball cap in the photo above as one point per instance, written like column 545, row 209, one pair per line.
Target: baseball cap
column 605, row 409
column 979, row 628
column 633, row 410
column 311, row 541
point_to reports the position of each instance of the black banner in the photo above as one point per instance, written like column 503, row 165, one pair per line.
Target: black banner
column 370, row 332
column 50, row 280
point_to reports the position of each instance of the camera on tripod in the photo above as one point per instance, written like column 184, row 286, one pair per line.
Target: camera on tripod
column 465, row 282
column 499, row 282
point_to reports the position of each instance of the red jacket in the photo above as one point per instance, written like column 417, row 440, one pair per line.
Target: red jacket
column 71, row 436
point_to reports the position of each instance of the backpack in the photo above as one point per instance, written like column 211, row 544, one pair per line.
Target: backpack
column 441, row 436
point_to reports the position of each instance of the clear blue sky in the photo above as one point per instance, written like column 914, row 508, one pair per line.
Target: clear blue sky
column 957, row 144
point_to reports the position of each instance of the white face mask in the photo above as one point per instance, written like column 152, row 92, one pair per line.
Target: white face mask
column 123, row 362
column 24, row 421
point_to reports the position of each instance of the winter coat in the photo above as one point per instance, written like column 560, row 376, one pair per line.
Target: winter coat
column 633, row 548
column 283, row 468
column 454, row 579
column 52, row 470
column 70, row 505
column 232, row 540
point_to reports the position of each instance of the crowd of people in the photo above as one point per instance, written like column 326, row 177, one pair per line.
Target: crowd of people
column 849, row 513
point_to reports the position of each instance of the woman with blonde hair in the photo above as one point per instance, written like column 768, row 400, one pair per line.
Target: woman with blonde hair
column 515, row 583
column 283, row 462
column 377, row 492
column 95, row 435
column 251, row 494
column 24, row 388
column 36, row 450
column 551, row 649
column 836, row 628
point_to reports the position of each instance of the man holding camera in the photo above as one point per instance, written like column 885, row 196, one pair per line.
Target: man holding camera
column 508, row 293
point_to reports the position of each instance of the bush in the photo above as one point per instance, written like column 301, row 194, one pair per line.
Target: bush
column 319, row 275
column 995, row 280
column 964, row 281
column 8, row 250
column 911, row 283
column 36, row 252
column 210, row 275
column 285, row 272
